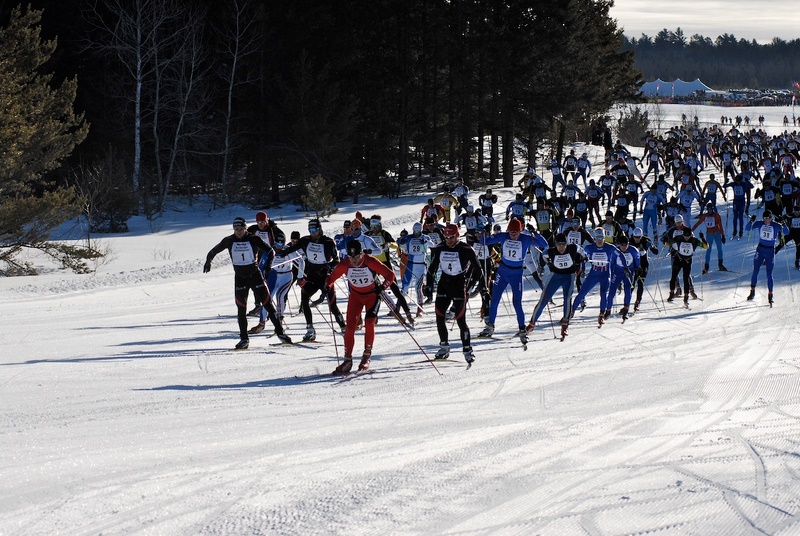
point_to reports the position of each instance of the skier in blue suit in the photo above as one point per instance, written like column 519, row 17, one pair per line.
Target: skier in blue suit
column 602, row 256
column 769, row 234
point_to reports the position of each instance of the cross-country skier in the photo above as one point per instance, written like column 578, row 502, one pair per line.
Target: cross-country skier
column 711, row 221
column 244, row 248
column 769, row 233
column 461, row 271
column 622, row 274
column 514, row 246
column 644, row 245
column 601, row 256
column 321, row 258
column 564, row 261
column 360, row 270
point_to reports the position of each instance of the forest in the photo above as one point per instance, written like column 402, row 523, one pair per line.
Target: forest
column 242, row 99
column 723, row 63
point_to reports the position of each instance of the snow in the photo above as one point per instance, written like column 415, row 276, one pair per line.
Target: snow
column 125, row 409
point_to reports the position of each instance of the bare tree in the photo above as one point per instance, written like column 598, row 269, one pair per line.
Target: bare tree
column 239, row 37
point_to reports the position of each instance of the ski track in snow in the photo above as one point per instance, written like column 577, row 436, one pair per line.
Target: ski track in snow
column 131, row 413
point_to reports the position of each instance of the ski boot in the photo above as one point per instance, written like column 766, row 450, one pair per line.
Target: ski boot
column 284, row 338
column 419, row 312
column 752, row 295
column 606, row 314
column 244, row 344
column 769, row 298
column 721, row 267
column 671, row 297
column 410, row 318
column 311, row 333
column 523, row 335
column 583, row 305
column 469, row 356
column 600, row 320
column 255, row 310
column 705, row 269
column 258, row 328
column 692, row 294
column 678, row 290
column 564, row 328
column 444, row 351
column 686, row 300
column 530, row 327
column 345, row 366
column 487, row 332
column 624, row 313
column 636, row 306
column 364, row 365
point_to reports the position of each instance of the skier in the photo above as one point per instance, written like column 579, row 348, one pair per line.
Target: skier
column 622, row 274
column 416, row 246
column 769, row 234
column 584, row 167
column 279, row 281
column 321, row 258
column 431, row 210
column 793, row 223
column 243, row 249
column 384, row 240
column 650, row 204
column 601, row 256
column 487, row 202
column 360, row 269
column 446, row 200
column 564, row 261
column 265, row 229
column 644, row 245
column 741, row 198
column 682, row 246
column 461, row 272
column 514, row 246
column 715, row 235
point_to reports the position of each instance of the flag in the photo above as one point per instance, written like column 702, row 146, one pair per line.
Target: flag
column 796, row 84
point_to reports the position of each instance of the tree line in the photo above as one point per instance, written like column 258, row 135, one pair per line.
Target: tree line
column 246, row 101
column 724, row 63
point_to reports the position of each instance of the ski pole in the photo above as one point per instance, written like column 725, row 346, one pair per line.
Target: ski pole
column 382, row 295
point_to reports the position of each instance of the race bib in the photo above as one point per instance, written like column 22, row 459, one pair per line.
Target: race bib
column 361, row 277
column 450, row 263
column 415, row 247
column 686, row 249
column 512, row 250
column 767, row 233
column 562, row 262
column 379, row 241
column 315, row 253
column 242, row 254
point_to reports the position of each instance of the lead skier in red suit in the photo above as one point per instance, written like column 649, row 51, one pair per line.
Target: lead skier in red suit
column 360, row 269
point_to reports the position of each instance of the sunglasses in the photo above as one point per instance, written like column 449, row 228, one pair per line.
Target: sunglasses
column 280, row 244
column 313, row 229
column 235, row 227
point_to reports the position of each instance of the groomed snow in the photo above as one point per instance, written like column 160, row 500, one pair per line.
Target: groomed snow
column 125, row 409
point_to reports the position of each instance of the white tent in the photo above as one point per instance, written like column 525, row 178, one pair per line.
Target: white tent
column 676, row 88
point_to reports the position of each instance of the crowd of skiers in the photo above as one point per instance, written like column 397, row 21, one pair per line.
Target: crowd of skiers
column 459, row 249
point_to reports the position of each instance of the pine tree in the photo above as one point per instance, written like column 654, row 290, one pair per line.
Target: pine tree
column 319, row 197
column 38, row 130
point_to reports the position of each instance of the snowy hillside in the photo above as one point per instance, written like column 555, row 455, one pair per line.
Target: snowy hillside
column 125, row 409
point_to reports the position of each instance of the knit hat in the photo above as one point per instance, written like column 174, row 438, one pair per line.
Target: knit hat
column 354, row 248
column 239, row 222
column 451, row 229
column 261, row 216
column 514, row 226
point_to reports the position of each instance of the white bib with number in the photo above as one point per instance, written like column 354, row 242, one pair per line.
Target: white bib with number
column 512, row 250
column 451, row 263
column 242, row 254
column 315, row 253
column 361, row 277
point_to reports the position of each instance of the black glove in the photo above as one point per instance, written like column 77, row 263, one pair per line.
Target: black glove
column 428, row 290
column 639, row 273
column 654, row 250
column 723, row 239
column 752, row 218
column 628, row 273
column 206, row 267
column 702, row 236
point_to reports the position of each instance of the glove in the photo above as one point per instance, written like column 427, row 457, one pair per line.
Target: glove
column 638, row 273
column 301, row 282
column 654, row 250
column 702, row 237
column 386, row 284
column 206, row 267
column 428, row 290
column 326, row 290
column 752, row 218
column 628, row 273
column 723, row 239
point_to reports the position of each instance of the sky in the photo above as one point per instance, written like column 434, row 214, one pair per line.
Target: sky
column 125, row 410
column 748, row 19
